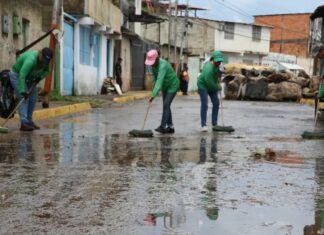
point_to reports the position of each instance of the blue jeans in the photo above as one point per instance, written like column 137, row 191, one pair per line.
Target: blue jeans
column 167, row 115
column 27, row 107
column 204, row 106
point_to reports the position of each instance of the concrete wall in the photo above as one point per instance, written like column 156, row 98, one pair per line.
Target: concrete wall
column 85, row 76
column 103, row 11
column 201, row 37
column 242, row 41
column 126, row 64
column 10, row 43
column 290, row 33
column 306, row 63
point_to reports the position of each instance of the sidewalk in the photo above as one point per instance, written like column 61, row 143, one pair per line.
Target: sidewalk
column 77, row 104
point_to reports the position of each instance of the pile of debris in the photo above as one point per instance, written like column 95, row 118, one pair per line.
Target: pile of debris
column 268, row 85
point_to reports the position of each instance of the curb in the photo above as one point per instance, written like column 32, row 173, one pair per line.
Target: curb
column 129, row 98
column 58, row 111
column 139, row 96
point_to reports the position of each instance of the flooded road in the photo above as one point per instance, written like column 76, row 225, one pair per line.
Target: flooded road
column 83, row 174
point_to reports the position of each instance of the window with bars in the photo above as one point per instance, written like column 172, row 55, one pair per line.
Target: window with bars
column 256, row 33
column 229, row 31
column 85, row 49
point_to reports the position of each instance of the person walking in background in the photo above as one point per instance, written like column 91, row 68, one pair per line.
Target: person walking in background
column 208, row 84
column 184, row 80
column 166, row 80
column 30, row 68
column 118, row 73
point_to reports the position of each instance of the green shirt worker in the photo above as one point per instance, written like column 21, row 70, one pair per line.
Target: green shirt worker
column 29, row 69
column 166, row 80
column 208, row 85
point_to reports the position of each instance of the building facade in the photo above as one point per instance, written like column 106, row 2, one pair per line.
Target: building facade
column 289, row 33
column 21, row 23
column 90, row 30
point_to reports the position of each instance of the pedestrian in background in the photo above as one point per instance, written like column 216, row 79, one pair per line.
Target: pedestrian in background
column 30, row 68
column 118, row 73
column 209, row 85
column 166, row 80
column 184, row 80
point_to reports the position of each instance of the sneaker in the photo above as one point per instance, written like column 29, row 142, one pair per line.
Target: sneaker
column 25, row 127
column 170, row 130
column 161, row 130
column 204, row 129
column 32, row 124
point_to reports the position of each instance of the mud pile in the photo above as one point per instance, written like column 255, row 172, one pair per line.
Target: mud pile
column 267, row 85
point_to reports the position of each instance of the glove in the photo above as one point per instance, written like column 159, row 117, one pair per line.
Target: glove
column 25, row 95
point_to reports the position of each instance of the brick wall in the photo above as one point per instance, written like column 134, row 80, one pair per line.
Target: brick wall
column 289, row 34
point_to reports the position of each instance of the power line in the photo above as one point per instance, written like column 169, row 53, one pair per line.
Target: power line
column 244, row 13
column 237, row 10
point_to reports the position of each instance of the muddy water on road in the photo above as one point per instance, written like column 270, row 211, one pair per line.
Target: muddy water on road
column 73, row 177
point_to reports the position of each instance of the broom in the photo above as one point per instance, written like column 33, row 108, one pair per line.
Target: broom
column 142, row 132
column 4, row 129
column 222, row 128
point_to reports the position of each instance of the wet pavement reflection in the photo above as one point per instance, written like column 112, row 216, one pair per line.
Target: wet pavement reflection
column 84, row 175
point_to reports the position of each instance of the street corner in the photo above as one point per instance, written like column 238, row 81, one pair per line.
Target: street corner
column 60, row 111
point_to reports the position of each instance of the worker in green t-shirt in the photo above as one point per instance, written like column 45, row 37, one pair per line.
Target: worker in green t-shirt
column 166, row 80
column 208, row 85
column 29, row 69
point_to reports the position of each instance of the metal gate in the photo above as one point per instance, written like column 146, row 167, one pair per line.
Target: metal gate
column 138, row 66
column 68, row 59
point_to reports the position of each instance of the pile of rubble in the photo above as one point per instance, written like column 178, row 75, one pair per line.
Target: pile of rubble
column 268, row 85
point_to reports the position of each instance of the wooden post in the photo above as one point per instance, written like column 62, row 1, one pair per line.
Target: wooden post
column 52, row 45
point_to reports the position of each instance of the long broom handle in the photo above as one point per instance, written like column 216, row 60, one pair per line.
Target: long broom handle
column 18, row 105
column 222, row 109
column 147, row 111
column 316, row 109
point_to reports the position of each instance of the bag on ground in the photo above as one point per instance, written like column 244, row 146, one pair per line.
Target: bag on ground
column 7, row 97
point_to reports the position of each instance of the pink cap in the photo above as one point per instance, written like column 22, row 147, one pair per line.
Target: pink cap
column 151, row 57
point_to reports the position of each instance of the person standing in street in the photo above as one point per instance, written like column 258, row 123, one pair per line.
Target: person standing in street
column 184, row 80
column 209, row 85
column 118, row 73
column 30, row 68
column 166, row 80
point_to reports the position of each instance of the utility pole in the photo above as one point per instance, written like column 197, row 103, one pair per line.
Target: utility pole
column 184, row 34
column 57, row 8
column 175, row 37
column 169, row 33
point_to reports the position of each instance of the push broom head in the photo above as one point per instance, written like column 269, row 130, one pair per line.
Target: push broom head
column 228, row 129
column 141, row 133
column 3, row 129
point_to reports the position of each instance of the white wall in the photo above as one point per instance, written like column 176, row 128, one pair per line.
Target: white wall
column 193, row 70
column 306, row 63
column 242, row 41
column 85, row 76
column 103, row 61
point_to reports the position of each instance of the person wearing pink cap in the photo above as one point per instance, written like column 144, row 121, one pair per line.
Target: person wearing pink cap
column 166, row 80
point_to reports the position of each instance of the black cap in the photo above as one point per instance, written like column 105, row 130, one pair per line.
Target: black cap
column 46, row 55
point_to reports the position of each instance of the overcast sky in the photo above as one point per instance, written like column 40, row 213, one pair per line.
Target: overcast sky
column 243, row 10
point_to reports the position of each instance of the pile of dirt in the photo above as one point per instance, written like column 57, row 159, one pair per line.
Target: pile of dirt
column 252, row 84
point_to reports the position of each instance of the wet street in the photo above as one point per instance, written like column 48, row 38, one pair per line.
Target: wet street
column 83, row 174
